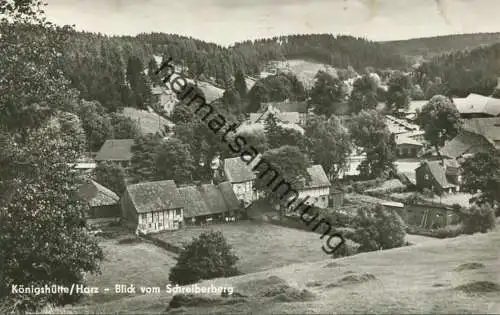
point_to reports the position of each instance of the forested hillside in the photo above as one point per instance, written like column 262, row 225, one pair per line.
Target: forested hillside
column 108, row 69
column 464, row 72
column 431, row 46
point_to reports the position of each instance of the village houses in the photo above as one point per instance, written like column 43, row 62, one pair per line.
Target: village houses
column 103, row 203
column 164, row 98
column 242, row 179
column 439, row 176
column 152, row 207
column 288, row 111
column 116, row 150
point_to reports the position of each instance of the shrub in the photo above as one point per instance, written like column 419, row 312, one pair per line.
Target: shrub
column 336, row 218
column 478, row 219
column 448, row 231
column 377, row 228
column 206, row 257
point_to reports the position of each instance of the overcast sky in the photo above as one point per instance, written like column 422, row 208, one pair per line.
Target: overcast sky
column 228, row 21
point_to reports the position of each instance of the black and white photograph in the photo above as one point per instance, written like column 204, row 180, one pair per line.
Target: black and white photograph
column 249, row 157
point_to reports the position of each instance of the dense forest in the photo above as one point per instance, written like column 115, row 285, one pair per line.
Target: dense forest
column 95, row 63
column 464, row 72
column 110, row 69
column 429, row 47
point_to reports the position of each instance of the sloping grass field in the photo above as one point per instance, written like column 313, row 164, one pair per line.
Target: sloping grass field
column 452, row 276
column 147, row 122
column 304, row 70
column 137, row 263
column 259, row 246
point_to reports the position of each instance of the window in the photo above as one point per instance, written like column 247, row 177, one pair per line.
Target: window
column 143, row 217
column 178, row 212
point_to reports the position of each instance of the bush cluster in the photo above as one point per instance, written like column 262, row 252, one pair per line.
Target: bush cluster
column 376, row 228
column 478, row 219
column 206, row 257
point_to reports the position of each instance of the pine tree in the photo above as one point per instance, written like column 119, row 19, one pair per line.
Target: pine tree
column 240, row 84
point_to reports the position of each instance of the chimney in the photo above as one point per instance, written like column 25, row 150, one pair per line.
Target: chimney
column 498, row 84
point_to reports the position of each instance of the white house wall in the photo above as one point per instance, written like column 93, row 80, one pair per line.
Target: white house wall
column 319, row 196
column 167, row 220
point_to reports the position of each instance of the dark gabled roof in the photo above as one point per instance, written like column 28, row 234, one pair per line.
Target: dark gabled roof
column 237, row 171
column 194, row 203
column 155, row 196
column 213, row 198
column 489, row 128
column 227, row 191
column 437, row 170
column 115, row 150
column 318, row 177
column 97, row 195
column 290, row 107
column 462, row 144
column 208, row 199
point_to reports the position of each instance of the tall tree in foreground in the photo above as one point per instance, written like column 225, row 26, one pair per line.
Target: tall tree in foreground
column 440, row 121
column 43, row 240
column 206, row 257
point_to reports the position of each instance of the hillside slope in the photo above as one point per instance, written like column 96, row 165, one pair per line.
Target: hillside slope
column 431, row 46
column 456, row 276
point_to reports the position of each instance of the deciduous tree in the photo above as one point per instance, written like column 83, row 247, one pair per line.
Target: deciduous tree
column 398, row 93
column 43, row 240
column 328, row 144
column 364, row 95
column 326, row 93
column 440, row 121
column 369, row 132
column 124, row 127
column 290, row 165
column 481, row 173
column 112, row 176
column 278, row 136
column 174, row 161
